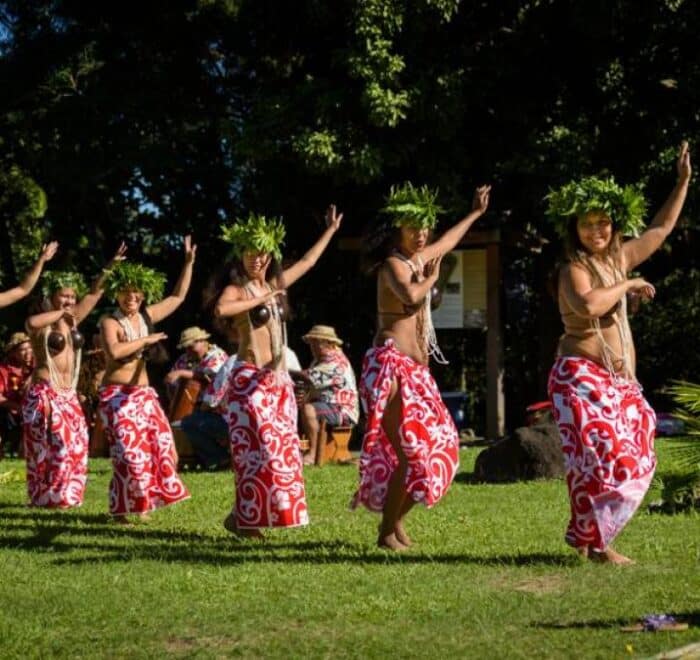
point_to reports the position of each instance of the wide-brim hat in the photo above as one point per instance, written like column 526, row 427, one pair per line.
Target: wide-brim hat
column 190, row 335
column 324, row 333
column 15, row 340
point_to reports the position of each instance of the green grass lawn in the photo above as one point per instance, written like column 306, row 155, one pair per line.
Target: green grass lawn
column 489, row 577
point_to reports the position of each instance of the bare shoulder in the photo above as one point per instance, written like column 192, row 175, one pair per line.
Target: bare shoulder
column 232, row 292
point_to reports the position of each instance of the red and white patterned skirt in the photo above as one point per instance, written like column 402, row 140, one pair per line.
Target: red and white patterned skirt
column 142, row 449
column 607, row 435
column 55, row 437
column 261, row 413
column 428, row 435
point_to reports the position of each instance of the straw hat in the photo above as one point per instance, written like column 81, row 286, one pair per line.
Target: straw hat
column 324, row 333
column 190, row 335
column 15, row 340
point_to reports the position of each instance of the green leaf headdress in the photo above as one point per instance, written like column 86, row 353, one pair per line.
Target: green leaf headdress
column 412, row 207
column 126, row 275
column 625, row 206
column 257, row 233
column 55, row 280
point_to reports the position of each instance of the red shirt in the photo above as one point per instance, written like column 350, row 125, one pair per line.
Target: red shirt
column 13, row 380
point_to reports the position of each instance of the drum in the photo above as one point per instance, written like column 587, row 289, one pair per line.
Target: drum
column 184, row 400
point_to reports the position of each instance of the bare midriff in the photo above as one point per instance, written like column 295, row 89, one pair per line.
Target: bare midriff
column 397, row 321
column 581, row 340
column 63, row 360
column 250, row 337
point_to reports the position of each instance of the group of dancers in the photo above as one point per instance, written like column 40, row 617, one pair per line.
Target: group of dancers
column 410, row 450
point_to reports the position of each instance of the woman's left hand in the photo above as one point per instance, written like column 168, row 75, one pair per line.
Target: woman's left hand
column 190, row 250
column 333, row 219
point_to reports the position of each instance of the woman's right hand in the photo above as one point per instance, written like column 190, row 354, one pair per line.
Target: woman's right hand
column 273, row 294
column 431, row 270
column 642, row 288
column 154, row 338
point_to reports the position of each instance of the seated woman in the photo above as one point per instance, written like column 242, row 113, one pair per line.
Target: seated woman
column 261, row 408
column 54, row 430
column 143, row 453
column 606, row 425
column 333, row 396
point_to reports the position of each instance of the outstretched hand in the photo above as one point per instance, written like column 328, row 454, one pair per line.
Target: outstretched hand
column 190, row 250
column 119, row 255
column 48, row 250
column 480, row 201
column 683, row 163
column 333, row 219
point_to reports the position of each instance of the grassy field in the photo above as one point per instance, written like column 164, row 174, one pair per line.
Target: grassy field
column 489, row 577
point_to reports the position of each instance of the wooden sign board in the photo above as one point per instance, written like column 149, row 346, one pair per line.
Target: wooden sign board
column 463, row 284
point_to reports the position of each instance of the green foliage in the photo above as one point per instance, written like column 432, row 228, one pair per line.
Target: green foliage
column 55, row 280
column 412, row 207
column 626, row 206
column 129, row 276
column 257, row 234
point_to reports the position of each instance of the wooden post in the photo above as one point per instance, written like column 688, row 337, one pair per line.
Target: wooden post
column 495, row 400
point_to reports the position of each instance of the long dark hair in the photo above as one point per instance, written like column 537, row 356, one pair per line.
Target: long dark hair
column 378, row 243
column 233, row 272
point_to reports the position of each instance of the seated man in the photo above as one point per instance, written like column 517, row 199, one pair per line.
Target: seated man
column 15, row 374
column 206, row 427
column 201, row 360
column 333, row 395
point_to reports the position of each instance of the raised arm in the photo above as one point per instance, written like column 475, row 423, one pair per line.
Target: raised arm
column 121, row 350
column 233, row 301
column 449, row 240
column 401, row 282
column 158, row 311
column 592, row 302
column 637, row 250
column 31, row 278
column 88, row 302
column 307, row 262
column 39, row 321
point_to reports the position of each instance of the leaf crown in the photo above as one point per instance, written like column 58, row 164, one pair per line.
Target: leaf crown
column 412, row 207
column 256, row 233
column 127, row 275
column 625, row 206
column 55, row 280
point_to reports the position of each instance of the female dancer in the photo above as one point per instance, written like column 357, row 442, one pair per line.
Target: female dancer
column 54, row 429
column 262, row 410
column 606, row 425
column 411, row 446
column 141, row 443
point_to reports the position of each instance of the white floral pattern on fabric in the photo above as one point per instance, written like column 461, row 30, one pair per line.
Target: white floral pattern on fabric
column 261, row 414
column 334, row 378
column 607, row 434
column 55, row 438
column 428, row 435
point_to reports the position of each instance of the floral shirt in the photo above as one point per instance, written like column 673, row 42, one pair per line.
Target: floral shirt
column 206, row 369
column 334, row 379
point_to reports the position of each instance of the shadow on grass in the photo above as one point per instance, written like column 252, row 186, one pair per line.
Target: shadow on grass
column 692, row 618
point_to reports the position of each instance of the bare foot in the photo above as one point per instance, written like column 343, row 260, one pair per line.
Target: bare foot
column 144, row 516
column 401, row 535
column 308, row 459
column 390, row 542
column 609, row 556
column 121, row 520
column 230, row 525
column 583, row 551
